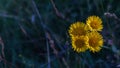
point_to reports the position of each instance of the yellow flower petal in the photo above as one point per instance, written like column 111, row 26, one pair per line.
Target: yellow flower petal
column 94, row 23
column 77, row 29
column 95, row 41
column 80, row 44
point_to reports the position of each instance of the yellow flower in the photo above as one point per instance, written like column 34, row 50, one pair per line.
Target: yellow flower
column 95, row 41
column 80, row 43
column 94, row 23
column 77, row 29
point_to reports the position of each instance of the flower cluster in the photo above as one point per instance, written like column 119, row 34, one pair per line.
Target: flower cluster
column 86, row 36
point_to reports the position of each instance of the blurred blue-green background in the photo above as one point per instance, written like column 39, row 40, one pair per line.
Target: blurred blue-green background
column 34, row 33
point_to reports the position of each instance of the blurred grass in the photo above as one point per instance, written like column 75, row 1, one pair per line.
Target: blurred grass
column 30, row 44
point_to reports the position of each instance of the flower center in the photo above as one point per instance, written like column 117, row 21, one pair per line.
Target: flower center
column 94, row 25
column 79, row 43
column 79, row 31
column 93, row 42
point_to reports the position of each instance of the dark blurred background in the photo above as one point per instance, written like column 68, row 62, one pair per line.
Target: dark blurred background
column 34, row 33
